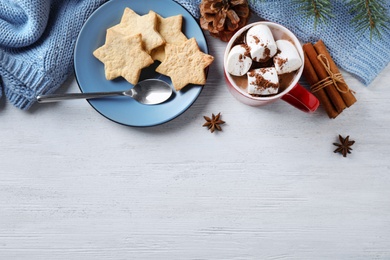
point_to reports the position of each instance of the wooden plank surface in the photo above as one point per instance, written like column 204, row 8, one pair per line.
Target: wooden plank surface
column 74, row 185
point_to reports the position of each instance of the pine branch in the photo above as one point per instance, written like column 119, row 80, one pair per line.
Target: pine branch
column 369, row 15
column 320, row 10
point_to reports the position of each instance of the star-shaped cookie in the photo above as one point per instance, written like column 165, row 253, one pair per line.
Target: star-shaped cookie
column 131, row 23
column 185, row 64
column 170, row 30
column 123, row 56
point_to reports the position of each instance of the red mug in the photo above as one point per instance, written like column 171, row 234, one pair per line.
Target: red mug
column 294, row 94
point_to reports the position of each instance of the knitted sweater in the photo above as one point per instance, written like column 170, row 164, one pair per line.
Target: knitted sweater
column 36, row 45
column 38, row 37
column 351, row 51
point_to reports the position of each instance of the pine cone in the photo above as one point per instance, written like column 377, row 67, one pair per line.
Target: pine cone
column 222, row 18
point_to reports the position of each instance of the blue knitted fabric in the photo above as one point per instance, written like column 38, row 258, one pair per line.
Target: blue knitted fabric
column 36, row 45
column 38, row 37
column 354, row 52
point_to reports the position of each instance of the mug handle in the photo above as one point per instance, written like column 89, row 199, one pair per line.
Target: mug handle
column 302, row 99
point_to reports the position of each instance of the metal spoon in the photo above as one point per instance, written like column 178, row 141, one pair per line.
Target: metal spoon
column 148, row 92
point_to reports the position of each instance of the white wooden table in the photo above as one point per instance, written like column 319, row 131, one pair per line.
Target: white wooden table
column 74, row 185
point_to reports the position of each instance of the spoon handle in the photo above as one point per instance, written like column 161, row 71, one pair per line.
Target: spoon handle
column 59, row 97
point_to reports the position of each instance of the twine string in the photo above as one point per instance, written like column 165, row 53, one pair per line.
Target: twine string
column 333, row 78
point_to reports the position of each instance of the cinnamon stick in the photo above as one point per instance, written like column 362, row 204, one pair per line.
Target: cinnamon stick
column 322, row 74
column 311, row 76
column 346, row 94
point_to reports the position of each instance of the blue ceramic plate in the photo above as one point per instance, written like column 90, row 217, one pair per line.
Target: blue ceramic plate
column 90, row 71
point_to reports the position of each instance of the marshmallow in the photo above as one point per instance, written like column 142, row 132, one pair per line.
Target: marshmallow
column 261, row 43
column 263, row 81
column 288, row 59
column 238, row 62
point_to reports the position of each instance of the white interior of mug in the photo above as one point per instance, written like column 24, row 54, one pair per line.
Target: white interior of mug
column 279, row 32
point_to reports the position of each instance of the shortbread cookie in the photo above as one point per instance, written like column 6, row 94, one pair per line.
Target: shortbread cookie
column 131, row 23
column 185, row 64
column 123, row 56
column 170, row 30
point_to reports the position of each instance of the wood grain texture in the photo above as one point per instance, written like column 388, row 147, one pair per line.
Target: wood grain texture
column 74, row 185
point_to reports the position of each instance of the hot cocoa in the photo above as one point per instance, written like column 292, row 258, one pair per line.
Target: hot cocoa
column 265, row 63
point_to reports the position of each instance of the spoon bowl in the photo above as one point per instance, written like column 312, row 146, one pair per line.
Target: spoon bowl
column 148, row 92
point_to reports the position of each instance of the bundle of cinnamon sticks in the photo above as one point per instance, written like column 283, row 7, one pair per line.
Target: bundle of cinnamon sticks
column 325, row 79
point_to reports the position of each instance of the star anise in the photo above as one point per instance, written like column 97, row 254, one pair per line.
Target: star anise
column 213, row 123
column 344, row 147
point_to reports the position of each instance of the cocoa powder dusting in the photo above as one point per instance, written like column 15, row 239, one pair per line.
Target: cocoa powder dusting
column 267, row 51
column 267, row 56
column 280, row 62
column 247, row 50
column 261, row 82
